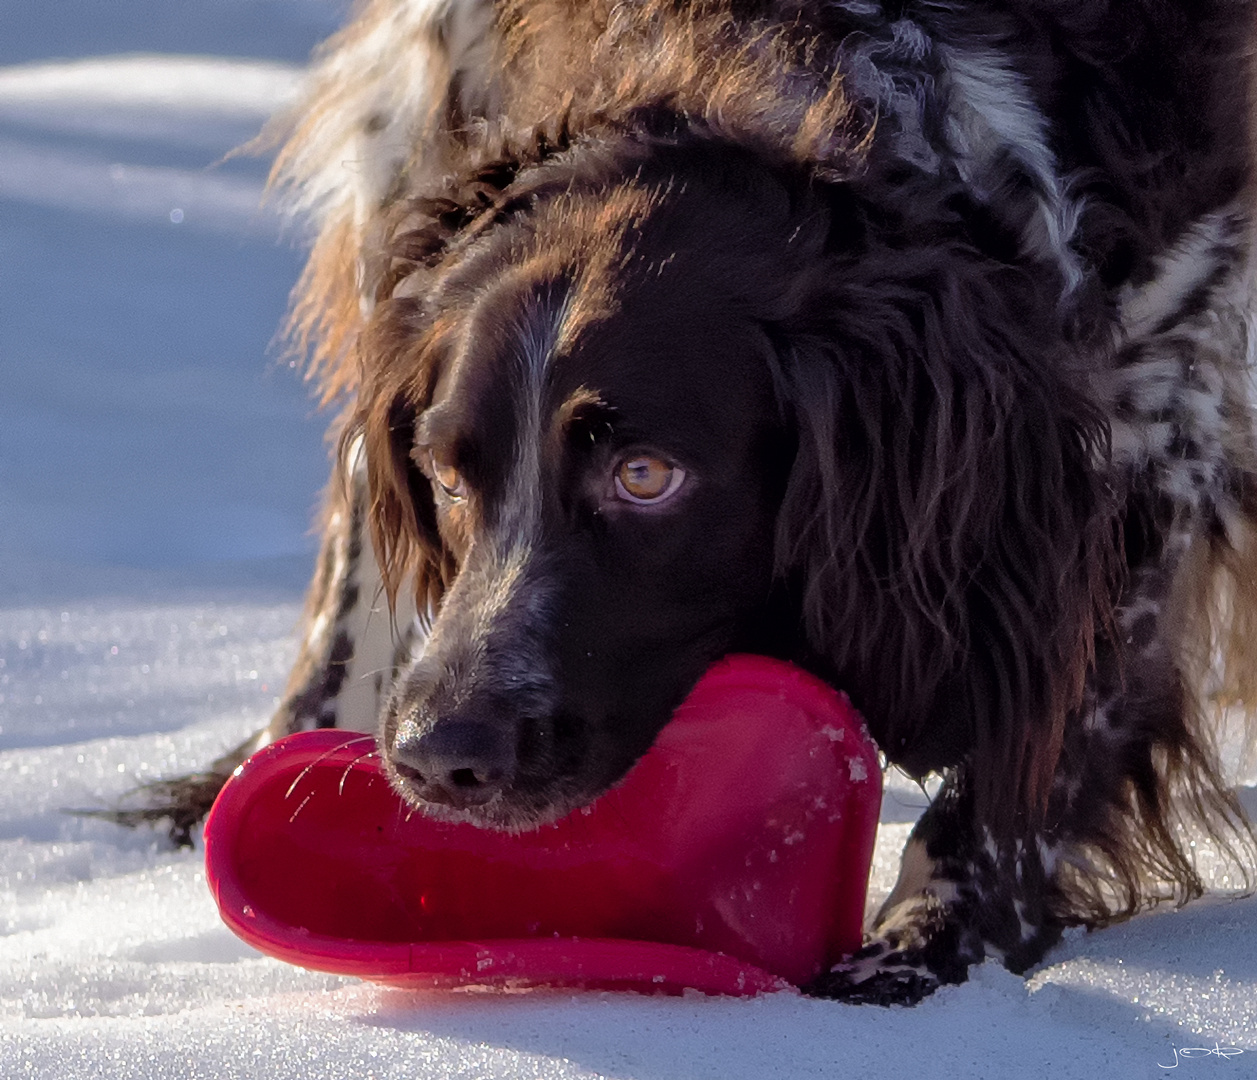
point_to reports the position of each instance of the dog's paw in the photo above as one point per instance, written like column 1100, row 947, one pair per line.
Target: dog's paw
column 917, row 945
column 878, row 974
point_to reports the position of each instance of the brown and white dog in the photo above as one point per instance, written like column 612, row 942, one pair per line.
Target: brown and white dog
column 909, row 340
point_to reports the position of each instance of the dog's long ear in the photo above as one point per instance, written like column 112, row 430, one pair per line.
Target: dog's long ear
column 396, row 385
column 399, row 351
column 944, row 518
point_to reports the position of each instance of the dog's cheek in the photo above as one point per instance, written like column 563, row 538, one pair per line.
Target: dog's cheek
column 646, row 602
column 709, row 569
column 628, row 654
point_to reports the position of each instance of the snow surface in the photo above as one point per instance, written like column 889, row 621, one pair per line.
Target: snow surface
column 157, row 474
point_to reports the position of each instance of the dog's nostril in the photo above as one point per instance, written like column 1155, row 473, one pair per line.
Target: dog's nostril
column 458, row 763
column 408, row 773
column 470, row 778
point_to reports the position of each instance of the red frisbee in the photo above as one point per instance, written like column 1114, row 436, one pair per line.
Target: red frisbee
column 733, row 858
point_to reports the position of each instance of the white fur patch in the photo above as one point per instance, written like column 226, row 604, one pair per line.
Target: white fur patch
column 369, row 673
column 991, row 120
column 1187, row 364
column 373, row 630
column 992, row 115
column 1180, row 271
column 535, row 341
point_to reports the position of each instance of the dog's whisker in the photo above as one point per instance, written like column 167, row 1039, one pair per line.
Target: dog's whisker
column 322, row 758
column 340, row 787
column 300, row 806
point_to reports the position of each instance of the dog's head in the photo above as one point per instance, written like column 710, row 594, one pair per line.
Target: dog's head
column 636, row 404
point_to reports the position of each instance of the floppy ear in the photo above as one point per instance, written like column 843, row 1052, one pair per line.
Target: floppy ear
column 946, row 518
column 398, row 354
column 395, row 386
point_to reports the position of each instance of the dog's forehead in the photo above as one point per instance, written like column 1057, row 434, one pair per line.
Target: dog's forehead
column 647, row 336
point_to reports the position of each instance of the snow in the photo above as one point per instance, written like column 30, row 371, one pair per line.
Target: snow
column 157, row 475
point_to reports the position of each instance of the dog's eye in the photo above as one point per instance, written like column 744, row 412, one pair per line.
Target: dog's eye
column 446, row 475
column 647, row 480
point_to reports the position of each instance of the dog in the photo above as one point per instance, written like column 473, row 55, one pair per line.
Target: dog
column 907, row 340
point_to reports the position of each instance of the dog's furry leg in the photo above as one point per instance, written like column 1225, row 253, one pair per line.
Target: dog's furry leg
column 955, row 903
column 349, row 648
column 350, row 642
column 1131, row 771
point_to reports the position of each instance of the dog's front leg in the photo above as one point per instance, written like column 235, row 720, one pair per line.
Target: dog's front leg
column 960, row 897
column 1133, row 770
column 350, row 643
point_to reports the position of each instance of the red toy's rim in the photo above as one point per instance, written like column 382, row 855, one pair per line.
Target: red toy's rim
column 592, row 963
column 588, row 963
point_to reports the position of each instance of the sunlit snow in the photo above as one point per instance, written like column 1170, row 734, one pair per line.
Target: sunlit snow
column 158, row 472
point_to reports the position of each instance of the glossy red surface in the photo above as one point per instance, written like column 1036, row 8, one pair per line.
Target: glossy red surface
column 732, row 859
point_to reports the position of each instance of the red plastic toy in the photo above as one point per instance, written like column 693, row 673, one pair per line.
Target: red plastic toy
column 733, row 858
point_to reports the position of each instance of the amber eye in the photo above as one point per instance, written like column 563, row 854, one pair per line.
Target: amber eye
column 647, row 480
column 449, row 478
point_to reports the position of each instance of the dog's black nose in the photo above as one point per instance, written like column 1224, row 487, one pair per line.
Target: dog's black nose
column 459, row 763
